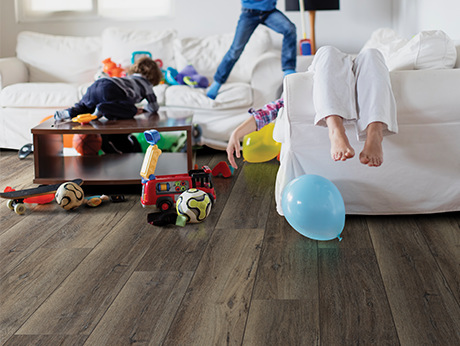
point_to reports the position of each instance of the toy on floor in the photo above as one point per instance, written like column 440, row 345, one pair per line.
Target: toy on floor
column 163, row 191
column 314, row 207
column 166, row 218
column 222, row 168
column 259, row 146
column 94, row 201
column 194, row 204
column 84, row 118
column 151, row 156
column 87, row 144
column 41, row 195
column 69, row 195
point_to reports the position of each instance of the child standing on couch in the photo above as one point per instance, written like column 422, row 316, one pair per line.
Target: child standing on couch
column 116, row 97
column 253, row 13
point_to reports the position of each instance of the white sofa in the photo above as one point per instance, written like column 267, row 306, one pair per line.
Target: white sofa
column 52, row 72
column 421, row 169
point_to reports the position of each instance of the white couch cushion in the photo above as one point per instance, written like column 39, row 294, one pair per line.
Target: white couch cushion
column 426, row 50
column 205, row 54
column 120, row 43
column 231, row 95
column 52, row 58
column 39, row 95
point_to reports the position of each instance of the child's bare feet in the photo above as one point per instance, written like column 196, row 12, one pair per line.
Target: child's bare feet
column 372, row 154
column 341, row 149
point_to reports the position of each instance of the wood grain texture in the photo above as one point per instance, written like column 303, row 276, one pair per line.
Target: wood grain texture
column 82, row 299
column 244, row 276
column 442, row 234
column 143, row 311
column 248, row 204
column 353, row 305
column 215, row 307
column 424, row 308
column 28, row 285
column 281, row 322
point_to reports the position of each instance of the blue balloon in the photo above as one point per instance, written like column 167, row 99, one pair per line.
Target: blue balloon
column 314, row 207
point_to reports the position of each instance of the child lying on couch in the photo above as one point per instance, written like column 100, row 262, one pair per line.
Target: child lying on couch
column 345, row 90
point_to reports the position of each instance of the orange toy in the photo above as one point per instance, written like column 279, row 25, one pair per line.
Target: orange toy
column 112, row 69
column 87, row 144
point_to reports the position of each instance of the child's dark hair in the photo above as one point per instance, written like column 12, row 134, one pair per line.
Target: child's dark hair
column 147, row 68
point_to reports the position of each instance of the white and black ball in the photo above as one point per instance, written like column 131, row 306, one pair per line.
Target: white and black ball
column 194, row 204
column 69, row 195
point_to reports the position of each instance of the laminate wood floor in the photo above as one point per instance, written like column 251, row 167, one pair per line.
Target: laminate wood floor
column 104, row 276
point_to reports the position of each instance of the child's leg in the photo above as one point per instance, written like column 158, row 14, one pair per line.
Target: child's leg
column 248, row 22
column 376, row 105
column 372, row 154
column 279, row 23
column 334, row 97
column 117, row 109
column 341, row 149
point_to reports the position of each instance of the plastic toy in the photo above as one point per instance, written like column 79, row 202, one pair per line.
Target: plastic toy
column 166, row 218
column 259, row 146
column 190, row 77
column 94, row 201
column 163, row 191
column 69, row 195
column 222, row 168
column 84, row 118
column 26, row 150
column 151, row 156
column 39, row 195
column 139, row 54
column 112, row 69
column 170, row 76
column 195, row 205
column 314, row 207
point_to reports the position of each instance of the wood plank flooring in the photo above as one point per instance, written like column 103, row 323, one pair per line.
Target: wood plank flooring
column 104, row 276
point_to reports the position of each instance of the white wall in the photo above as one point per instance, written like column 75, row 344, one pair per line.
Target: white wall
column 347, row 29
column 412, row 16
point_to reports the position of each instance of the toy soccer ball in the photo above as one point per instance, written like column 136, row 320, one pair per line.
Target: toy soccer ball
column 69, row 195
column 194, row 204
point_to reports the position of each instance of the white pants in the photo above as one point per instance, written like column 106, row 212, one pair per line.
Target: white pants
column 358, row 90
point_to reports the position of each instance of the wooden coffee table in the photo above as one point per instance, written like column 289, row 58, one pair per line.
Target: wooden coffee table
column 52, row 167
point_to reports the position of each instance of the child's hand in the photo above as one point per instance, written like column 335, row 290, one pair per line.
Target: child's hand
column 233, row 146
column 140, row 111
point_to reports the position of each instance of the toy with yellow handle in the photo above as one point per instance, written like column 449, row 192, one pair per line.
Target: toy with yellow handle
column 151, row 155
column 84, row 118
column 259, row 146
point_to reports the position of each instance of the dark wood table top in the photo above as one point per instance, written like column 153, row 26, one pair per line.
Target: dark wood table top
column 175, row 120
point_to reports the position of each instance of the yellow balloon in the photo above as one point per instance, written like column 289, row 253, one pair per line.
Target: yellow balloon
column 259, row 146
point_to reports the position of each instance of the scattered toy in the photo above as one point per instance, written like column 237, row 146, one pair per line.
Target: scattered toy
column 166, row 218
column 34, row 195
column 222, row 168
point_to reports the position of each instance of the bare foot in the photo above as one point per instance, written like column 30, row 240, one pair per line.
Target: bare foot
column 372, row 154
column 341, row 149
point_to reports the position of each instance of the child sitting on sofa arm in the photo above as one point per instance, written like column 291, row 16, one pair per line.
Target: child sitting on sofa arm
column 116, row 97
column 344, row 90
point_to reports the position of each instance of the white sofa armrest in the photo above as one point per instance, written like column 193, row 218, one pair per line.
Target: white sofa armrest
column 12, row 71
column 267, row 78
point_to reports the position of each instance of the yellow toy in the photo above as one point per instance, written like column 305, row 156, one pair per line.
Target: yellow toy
column 151, row 155
column 84, row 118
column 259, row 146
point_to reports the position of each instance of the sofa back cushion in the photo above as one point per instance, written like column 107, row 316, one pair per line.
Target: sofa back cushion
column 426, row 50
column 119, row 44
column 205, row 54
column 52, row 58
